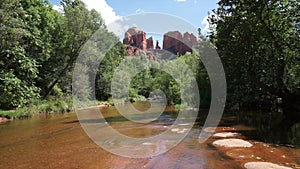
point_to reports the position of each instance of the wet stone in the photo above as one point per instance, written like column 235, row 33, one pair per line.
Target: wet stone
column 230, row 143
column 218, row 129
column 264, row 165
column 226, row 134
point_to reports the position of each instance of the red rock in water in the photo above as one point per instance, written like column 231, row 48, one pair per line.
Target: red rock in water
column 157, row 47
column 150, row 43
column 177, row 43
column 3, row 120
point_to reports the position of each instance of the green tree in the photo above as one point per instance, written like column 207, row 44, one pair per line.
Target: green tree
column 18, row 69
column 258, row 42
column 39, row 47
column 78, row 24
column 105, row 72
column 47, row 39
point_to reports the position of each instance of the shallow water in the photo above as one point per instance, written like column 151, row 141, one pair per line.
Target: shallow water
column 58, row 141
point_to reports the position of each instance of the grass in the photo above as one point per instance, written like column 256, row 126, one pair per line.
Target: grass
column 6, row 114
column 51, row 105
column 80, row 104
column 39, row 106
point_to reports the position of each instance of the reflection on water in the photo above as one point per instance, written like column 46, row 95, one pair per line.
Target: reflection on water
column 126, row 138
column 274, row 127
column 58, row 141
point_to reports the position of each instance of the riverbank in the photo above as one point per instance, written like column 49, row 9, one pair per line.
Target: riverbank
column 51, row 107
column 37, row 107
column 46, row 107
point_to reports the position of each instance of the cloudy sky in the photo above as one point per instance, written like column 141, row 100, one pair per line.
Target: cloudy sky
column 193, row 11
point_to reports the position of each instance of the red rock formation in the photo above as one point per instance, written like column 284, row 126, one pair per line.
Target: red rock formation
column 177, row 43
column 136, row 38
column 137, row 52
column 171, row 41
column 128, row 39
column 151, row 56
column 129, row 49
column 135, row 41
column 150, row 43
column 133, row 51
column 141, row 41
column 189, row 40
column 157, row 47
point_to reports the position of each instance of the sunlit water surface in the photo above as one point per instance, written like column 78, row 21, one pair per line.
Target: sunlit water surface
column 58, row 141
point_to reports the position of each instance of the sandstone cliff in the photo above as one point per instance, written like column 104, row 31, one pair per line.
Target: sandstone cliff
column 175, row 42
column 178, row 43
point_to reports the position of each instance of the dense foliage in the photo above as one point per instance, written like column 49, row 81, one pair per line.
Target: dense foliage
column 39, row 47
column 258, row 42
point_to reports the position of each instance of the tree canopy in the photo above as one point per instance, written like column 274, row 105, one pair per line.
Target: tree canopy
column 258, row 42
column 39, row 47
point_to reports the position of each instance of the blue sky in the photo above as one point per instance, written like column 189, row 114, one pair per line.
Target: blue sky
column 193, row 11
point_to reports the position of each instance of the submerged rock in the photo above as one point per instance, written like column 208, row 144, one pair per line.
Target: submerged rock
column 218, row 129
column 147, row 144
column 230, row 143
column 264, row 165
column 175, row 130
column 227, row 134
column 3, row 120
column 209, row 129
column 179, row 131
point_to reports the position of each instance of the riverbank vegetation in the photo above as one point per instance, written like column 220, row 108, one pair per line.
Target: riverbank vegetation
column 258, row 43
column 38, row 50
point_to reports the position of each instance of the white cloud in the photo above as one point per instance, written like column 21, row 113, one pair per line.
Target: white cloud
column 118, row 29
column 180, row 0
column 208, row 28
column 107, row 12
column 206, row 23
column 58, row 8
